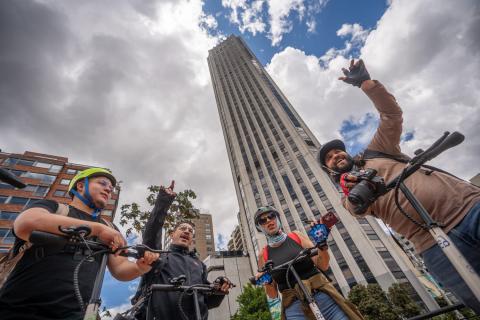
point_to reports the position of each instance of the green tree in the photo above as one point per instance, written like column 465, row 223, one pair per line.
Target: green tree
column 181, row 209
column 466, row 312
column 403, row 304
column 252, row 304
column 372, row 302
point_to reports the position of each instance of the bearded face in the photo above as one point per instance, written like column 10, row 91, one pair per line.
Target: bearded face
column 339, row 161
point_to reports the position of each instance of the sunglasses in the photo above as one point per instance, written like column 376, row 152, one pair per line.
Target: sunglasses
column 264, row 219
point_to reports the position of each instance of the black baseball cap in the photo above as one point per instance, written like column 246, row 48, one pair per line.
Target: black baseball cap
column 334, row 144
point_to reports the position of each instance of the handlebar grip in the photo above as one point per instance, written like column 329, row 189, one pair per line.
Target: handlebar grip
column 451, row 141
column 130, row 254
column 11, row 179
column 42, row 238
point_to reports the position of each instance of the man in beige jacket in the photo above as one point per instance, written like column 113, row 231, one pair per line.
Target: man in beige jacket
column 453, row 202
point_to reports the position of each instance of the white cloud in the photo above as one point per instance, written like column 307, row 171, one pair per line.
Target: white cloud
column 424, row 52
column 355, row 31
column 130, row 90
column 279, row 11
column 249, row 15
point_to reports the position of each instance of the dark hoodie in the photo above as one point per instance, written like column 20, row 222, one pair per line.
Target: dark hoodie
column 180, row 261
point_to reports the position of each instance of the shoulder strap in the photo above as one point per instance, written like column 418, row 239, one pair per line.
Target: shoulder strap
column 372, row 154
column 265, row 253
column 294, row 236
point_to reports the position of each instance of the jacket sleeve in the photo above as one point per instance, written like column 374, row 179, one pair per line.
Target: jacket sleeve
column 387, row 136
column 213, row 300
column 152, row 234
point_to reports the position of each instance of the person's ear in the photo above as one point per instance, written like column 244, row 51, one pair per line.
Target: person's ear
column 80, row 186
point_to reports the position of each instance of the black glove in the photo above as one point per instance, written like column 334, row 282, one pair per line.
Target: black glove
column 356, row 74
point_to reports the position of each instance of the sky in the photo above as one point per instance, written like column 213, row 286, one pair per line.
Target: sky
column 125, row 84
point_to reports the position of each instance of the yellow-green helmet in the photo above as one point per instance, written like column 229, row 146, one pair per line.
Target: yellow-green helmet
column 90, row 173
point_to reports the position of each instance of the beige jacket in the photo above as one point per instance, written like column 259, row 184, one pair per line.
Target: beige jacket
column 446, row 198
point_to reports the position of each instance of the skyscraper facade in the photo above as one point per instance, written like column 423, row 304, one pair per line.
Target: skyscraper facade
column 272, row 155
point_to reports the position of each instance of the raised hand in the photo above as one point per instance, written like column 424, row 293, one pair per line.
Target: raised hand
column 169, row 191
column 356, row 73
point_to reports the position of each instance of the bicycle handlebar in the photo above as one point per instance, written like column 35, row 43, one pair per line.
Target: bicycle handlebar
column 207, row 288
column 268, row 267
column 11, row 179
column 55, row 240
column 444, row 143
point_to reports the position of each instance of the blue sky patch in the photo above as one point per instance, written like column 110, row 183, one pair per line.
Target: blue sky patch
column 327, row 20
column 358, row 133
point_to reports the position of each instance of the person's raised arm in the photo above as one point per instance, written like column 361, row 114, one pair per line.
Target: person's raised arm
column 387, row 136
column 152, row 235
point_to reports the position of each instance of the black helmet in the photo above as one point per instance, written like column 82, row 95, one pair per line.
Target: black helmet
column 334, row 144
column 261, row 211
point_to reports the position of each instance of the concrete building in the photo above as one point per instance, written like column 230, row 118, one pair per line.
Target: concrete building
column 204, row 240
column 236, row 240
column 272, row 155
column 235, row 266
column 47, row 177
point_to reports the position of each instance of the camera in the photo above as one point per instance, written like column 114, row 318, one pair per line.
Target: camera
column 367, row 190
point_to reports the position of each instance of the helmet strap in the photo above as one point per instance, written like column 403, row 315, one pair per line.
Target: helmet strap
column 87, row 200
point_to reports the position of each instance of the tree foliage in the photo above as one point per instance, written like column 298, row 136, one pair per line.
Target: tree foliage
column 181, row 209
column 372, row 302
column 252, row 304
column 403, row 305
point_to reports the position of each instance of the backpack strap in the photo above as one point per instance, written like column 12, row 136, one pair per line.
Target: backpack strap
column 291, row 235
column 265, row 253
column 294, row 236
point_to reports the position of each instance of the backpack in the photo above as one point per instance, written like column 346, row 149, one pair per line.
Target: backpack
column 16, row 252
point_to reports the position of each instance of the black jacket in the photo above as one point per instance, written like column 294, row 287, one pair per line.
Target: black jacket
column 178, row 262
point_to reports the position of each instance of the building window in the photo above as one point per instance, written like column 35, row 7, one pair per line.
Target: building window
column 208, row 236
column 6, row 186
column 6, row 236
column 59, row 193
column 19, row 200
column 3, row 199
column 10, row 161
column 23, row 162
column 41, row 191
column 54, row 168
column 8, row 215
column 65, row 182
column 71, row 171
column 45, row 178
column 111, row 201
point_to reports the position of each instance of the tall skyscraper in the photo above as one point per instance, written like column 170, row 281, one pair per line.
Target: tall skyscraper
column 47, row 177
column 272, row 155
